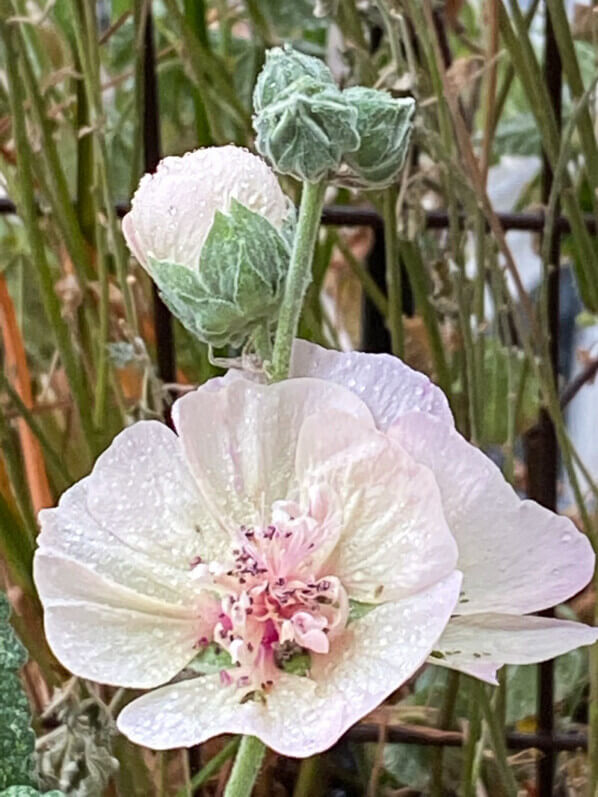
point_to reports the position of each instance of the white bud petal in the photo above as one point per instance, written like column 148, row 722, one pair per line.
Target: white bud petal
column 173, row 209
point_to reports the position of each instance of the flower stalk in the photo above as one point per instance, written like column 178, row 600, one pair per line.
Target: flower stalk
column 393, row 272
column 298, row 278
column 246, row 767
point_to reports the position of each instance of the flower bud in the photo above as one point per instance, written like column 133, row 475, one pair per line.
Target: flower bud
column 210, row 228
column 238, row 288
column 303, row 122
column 384, row 125
column 173, row 209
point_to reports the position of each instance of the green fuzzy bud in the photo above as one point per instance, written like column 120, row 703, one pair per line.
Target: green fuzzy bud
column 285, row 65
column 384, row 125
column 237, row 288
column 303, row 122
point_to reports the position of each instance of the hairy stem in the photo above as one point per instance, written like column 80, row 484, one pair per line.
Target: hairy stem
column 246, row 767
column 393, row 272
column 298, row 277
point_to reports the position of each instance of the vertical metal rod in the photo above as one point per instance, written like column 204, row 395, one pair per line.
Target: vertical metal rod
column 543, row 468
column 151, row 155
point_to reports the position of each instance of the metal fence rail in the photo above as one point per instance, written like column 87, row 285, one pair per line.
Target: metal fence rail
column 542, row 459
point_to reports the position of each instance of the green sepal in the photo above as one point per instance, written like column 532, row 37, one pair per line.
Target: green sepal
column 357, row 610
column 17, row 740
column 384, row 125
column 303, row 122
column 298, row 664
column 211, row 659
column 238, row 284
column 283, row 66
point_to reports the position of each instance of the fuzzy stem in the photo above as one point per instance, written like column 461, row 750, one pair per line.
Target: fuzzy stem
column 298, row 277
column 393, row 272
column 246, row 767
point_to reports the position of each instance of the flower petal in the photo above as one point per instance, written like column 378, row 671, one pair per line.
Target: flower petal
column 101, row 630
column 173, row 209
column 516, row 556
column 240, row 440
column 388, row 386
column 395, row 540
column 479, row 644
column 303, row 716
column 137, row 518
column 119, row 646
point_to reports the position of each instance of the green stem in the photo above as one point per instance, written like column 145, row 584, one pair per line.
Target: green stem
column 368, row 283
column 393, row 272
column 213, row 766
column 246, row 768
column 468, row 772
column 54, row 461
column 497, row 739
column 418, row 277
column 27, row 205
column 298, row 277
column 309, row 770
column 445, row 717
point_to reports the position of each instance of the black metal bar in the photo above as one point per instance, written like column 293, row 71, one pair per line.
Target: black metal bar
column 165, row 355
column 412, row 734
column 350, row 216
column 543, row 465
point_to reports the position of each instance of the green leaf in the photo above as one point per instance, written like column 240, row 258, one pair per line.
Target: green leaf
column 17, row 740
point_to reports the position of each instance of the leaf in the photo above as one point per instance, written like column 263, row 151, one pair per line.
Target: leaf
column 17, row 740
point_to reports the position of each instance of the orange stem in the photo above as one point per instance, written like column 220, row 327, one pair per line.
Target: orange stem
column 18, row 375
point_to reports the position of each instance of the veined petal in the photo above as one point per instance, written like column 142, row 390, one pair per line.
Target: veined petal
column 388, row 386
column 240, row 440
column 301, row 716
column 480, row 644
column 101, row 630
column 516, row 556
column 119, row 646
column 395, row 540
column 138, row 518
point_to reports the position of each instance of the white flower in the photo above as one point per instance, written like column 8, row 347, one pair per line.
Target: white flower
column 262, row 524
column 255, row 527
column 516, row 557
column 173, row 209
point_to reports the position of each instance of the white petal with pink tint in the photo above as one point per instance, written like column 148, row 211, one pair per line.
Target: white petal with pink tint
column 516, row 556
column 388, row 386
column 480, row 644
column 303, row 716
column 112, row 634
column 138, row 518
column 173, row 209
column 240, row 440
column 408, row 545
